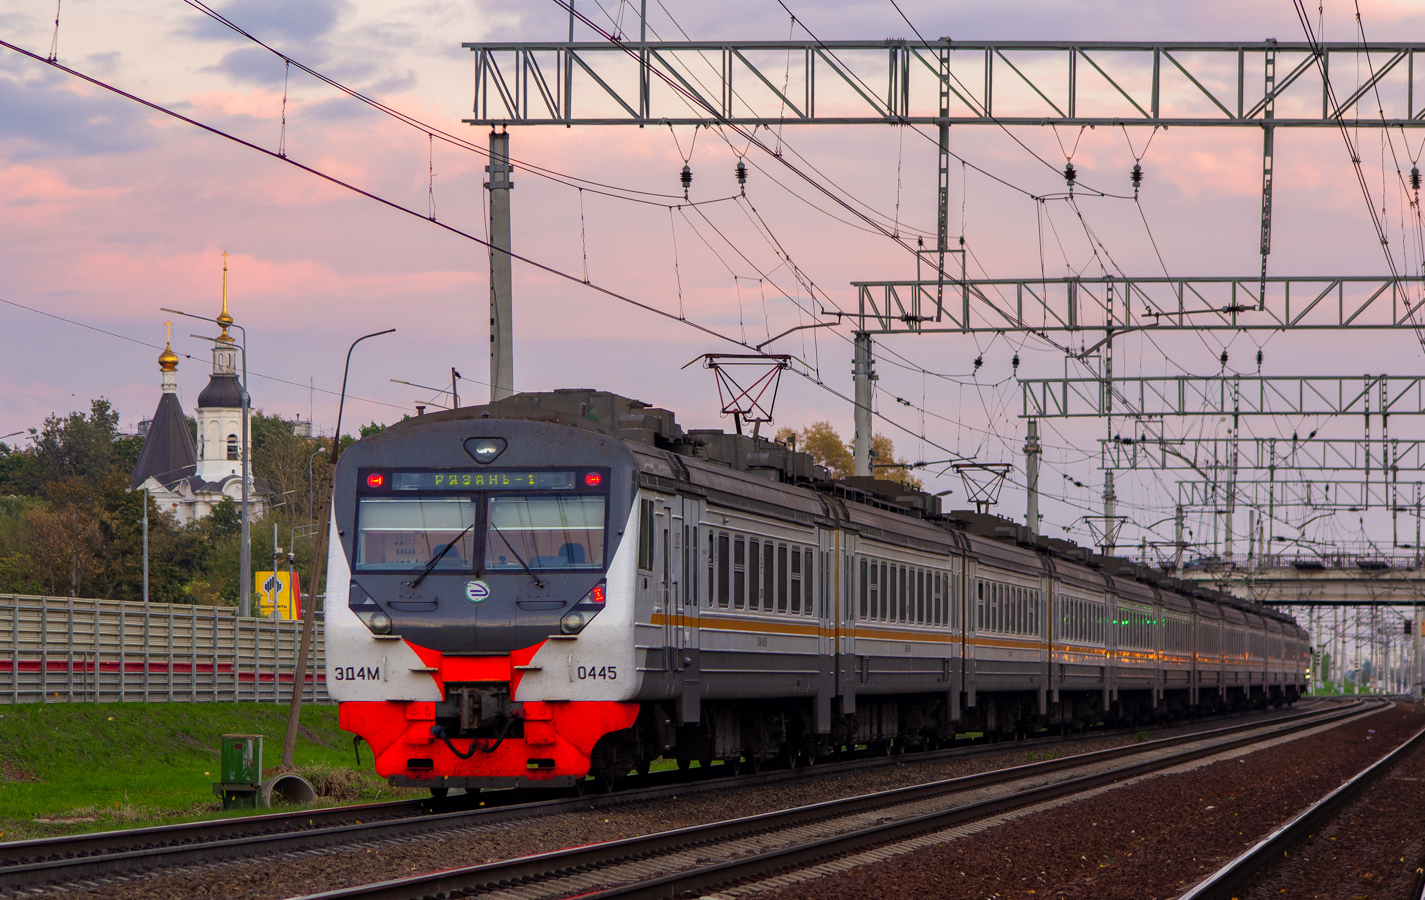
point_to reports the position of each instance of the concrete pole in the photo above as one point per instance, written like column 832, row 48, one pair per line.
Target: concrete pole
column 864, row 374
column 1032, row 450
column 1110, row 513
column 502, row 341
column 1178, row 541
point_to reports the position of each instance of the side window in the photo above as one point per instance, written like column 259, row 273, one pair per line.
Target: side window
column 690, row 543
column 739, row 572
column 920, row 596
column 796, row 579
column 904, row 604
column 781, row 578
column 754, row 559
column 887, row 593
column 979, row 604
column 875, row 610
column 712, row 557
column 814, row 581
column 862, row 586
column 645, row 535
column 769, row 575
column 723, row 558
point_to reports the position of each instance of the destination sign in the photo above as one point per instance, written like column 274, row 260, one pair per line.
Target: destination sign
column 483, row 480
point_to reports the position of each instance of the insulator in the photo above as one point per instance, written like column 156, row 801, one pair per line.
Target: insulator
column 979, row 361
column 686, row 177
column 1137, row 175
column 1259, row 358
column 1415, row 177
column 1070, row 174
column 1015, row 362
column 741, row 173
column 1224, row 358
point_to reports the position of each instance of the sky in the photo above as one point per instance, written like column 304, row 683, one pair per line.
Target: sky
column 112, row 211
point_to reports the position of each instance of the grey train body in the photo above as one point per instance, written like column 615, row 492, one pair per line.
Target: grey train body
column 769, row 613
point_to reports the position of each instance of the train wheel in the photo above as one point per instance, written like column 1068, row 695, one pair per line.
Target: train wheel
column 684, row 764
column 439, row 793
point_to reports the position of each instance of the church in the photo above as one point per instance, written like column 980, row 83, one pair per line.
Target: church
column 189, row 480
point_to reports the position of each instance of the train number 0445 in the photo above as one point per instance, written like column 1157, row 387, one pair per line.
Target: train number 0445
column 585, row 673
column 357, row 673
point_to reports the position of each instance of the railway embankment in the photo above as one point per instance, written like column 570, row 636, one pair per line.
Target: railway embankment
column 75, row 767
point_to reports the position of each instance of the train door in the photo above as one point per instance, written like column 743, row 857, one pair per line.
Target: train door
column 686, row 601
column 671, row 568
column 849, row 669
column 973, row 609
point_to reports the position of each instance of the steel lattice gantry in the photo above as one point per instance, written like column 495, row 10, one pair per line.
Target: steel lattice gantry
column 896, row 82
column 1108, row 305
column 1262, row 454
column 1234, row 395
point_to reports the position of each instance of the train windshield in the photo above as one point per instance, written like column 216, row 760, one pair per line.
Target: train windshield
column 408, row 534
column 545, row 533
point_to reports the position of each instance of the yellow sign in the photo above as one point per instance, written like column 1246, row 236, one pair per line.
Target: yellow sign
column 281, row 590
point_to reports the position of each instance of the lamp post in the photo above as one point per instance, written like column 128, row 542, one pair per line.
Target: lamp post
column 299, row 676
column 145, row 546
column 245, row 566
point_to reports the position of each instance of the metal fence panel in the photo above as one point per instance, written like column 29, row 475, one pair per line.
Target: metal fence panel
column 78, row 649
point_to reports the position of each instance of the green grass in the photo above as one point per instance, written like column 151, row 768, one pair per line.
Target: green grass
column 124, row 765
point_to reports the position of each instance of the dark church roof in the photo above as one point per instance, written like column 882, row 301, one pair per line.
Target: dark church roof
column 222, row 392
column 168, row 454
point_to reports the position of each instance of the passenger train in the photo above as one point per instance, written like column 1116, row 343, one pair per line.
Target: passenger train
column 568, row 584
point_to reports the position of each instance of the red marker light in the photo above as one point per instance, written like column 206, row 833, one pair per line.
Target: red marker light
column 597, row 595
column 593, row 479
column 375, row 479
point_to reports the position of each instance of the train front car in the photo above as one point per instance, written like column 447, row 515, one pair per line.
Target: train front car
column 479, row 618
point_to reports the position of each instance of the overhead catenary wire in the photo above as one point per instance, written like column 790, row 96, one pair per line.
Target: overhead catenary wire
column 544, row 267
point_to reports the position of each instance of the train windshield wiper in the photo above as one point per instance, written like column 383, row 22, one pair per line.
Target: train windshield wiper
column 430, row 566
column 527, row 569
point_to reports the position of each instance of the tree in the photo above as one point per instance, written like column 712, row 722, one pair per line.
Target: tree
column 889, row 466
column 825, row 446
column 828, row 449
column 74, row 445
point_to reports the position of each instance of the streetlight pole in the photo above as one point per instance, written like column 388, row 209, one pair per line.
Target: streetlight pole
column 245, row 565
column 145, row 546
column 304, row 649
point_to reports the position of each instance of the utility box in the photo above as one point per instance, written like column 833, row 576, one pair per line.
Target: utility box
column 241, row 771
column 242, row 758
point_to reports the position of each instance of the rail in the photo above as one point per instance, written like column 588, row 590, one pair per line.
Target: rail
column 472, row 880
column 1222, row 884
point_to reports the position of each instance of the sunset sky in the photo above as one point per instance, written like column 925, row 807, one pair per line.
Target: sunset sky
column 111, row 211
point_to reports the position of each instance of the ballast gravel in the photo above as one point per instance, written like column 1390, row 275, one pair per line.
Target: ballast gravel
column 1154, row 838
column 295, row 874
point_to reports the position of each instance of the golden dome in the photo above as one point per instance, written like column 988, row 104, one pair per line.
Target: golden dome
column 224, row 318
column 168, row 360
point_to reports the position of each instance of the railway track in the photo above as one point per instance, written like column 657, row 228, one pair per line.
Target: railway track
column 82, row 857
column 713, row 856
column 1228, row 881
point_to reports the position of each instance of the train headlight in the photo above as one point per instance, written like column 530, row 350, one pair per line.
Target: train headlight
column 585, row 610
column 484, row 450
column 379, row 623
